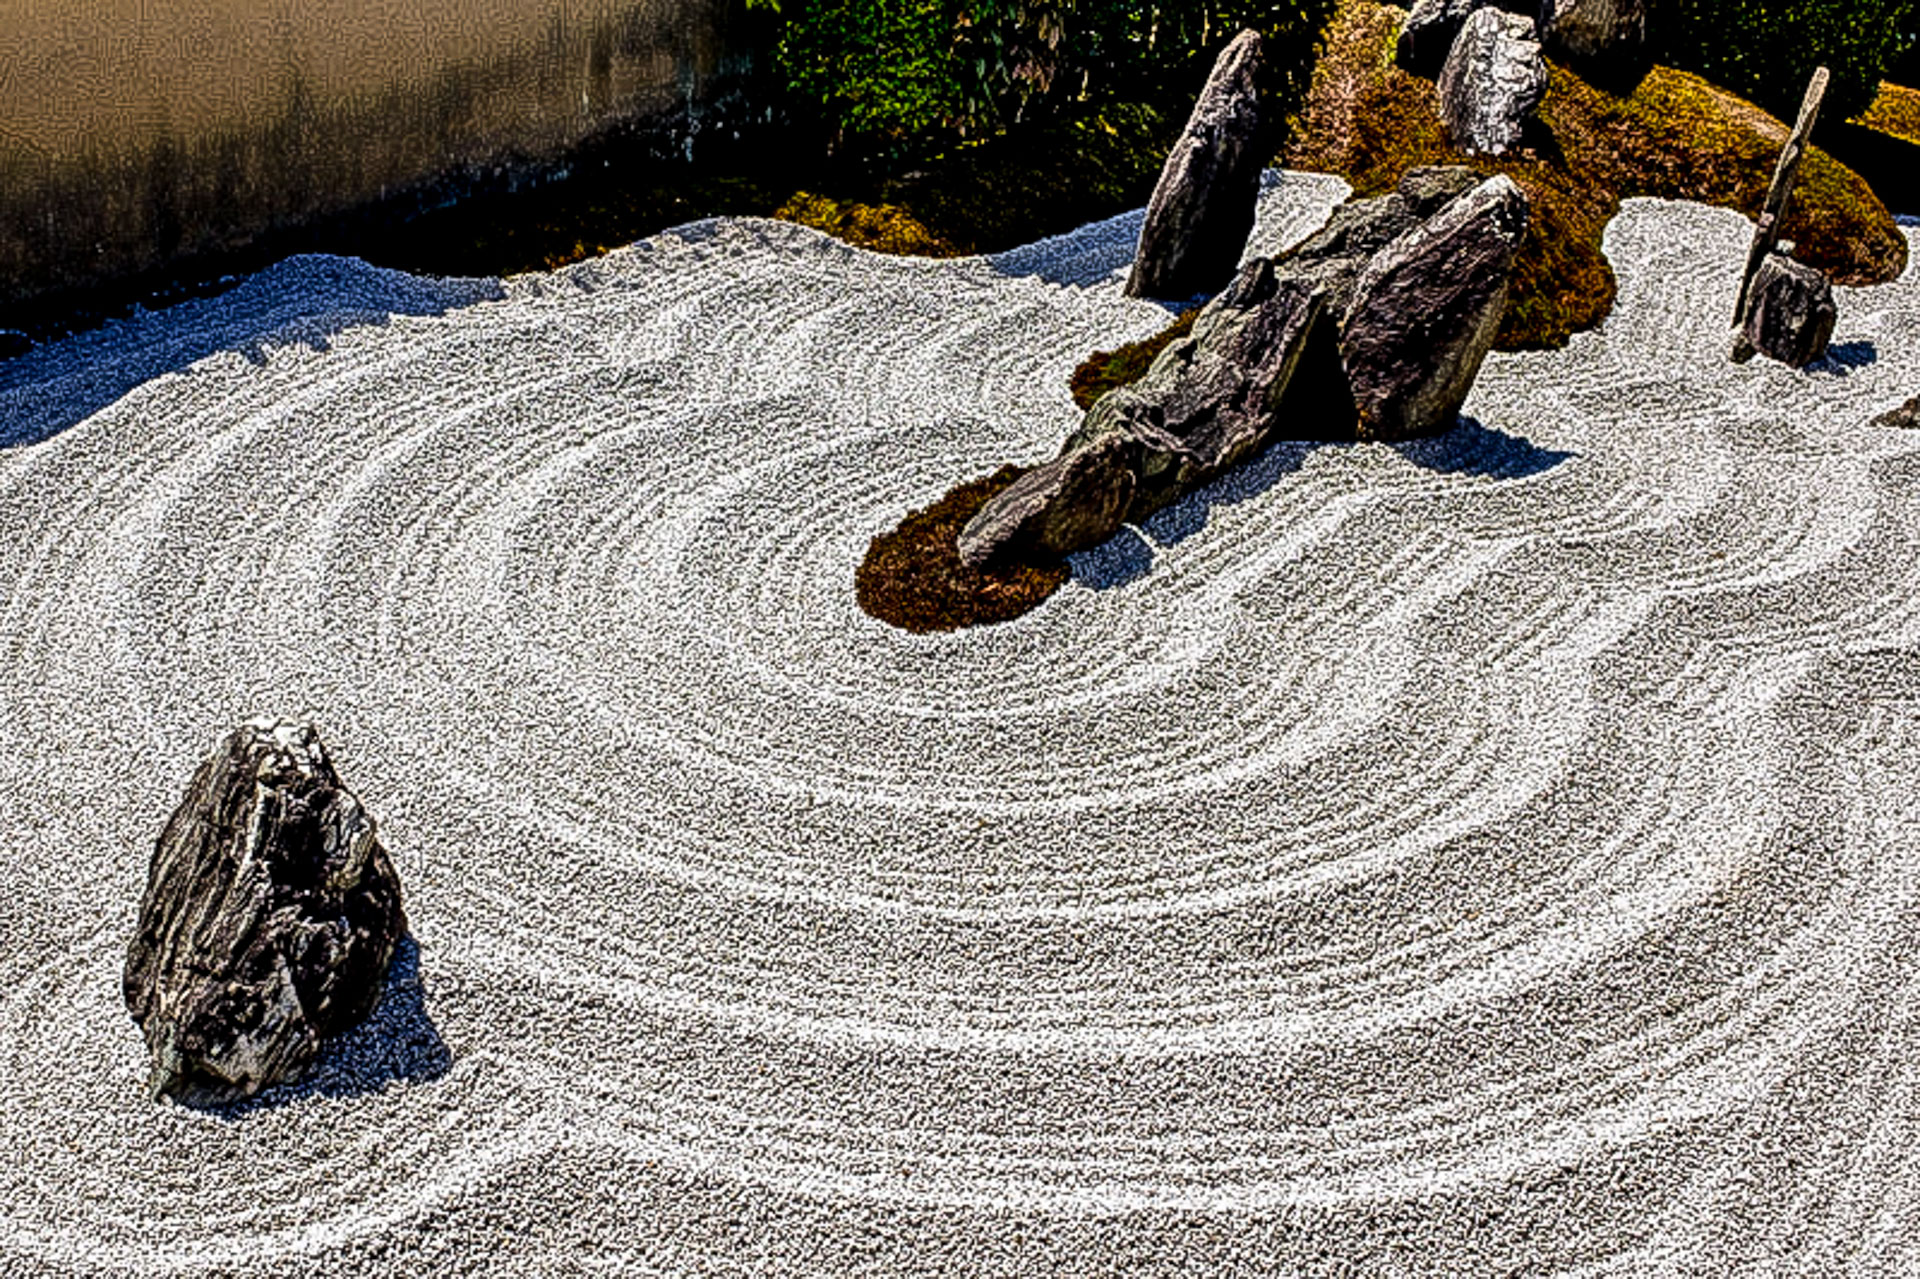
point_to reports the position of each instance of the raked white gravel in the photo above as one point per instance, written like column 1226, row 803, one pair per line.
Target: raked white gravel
column 1493, row 855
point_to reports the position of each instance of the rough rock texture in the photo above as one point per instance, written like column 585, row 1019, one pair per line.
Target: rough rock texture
column 1425, row 311
column 1429, row 33
column 1202, row 209
column 1492, row 82
column 270, row 915
column 1905, row 416
column 1211, row 400
column 1790, row 312
column 1594, row 31
column 1069, row 504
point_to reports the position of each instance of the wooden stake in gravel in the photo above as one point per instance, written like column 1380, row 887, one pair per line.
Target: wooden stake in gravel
column 1774, row 212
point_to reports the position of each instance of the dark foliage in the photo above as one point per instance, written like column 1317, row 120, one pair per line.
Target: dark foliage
column 1766, row 50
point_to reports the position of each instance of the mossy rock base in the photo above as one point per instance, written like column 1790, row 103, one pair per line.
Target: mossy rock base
column 1669, row 135
column 912, row 577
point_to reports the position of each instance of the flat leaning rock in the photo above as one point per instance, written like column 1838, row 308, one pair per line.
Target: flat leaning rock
column 1202, row 208
column 1073, row 503
column 1492, row 83
column 270, row 915
column 1425, row 312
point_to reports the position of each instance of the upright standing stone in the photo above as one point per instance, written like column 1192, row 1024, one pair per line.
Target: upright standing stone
column 1593, row 31
column 270, row 915
column 1766, row 232
column 1791, row 313
column 1203, row 206
column 1492, row 83
column 1425, row 312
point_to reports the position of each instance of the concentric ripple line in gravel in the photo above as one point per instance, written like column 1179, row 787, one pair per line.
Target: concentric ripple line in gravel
column 1490, row 854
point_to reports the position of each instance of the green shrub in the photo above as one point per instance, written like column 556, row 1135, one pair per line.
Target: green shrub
column 1766, row 50
column 899, row 79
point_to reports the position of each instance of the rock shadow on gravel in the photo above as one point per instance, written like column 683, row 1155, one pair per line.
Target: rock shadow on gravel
column 1469, row 449
column 397, row 1043
column 304, row 300
column 1842, row 358
column 1473, row 449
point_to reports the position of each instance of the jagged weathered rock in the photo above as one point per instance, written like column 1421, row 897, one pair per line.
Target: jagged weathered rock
column 1905, row 416
column 1074, row 502
column 1790, row 311
column 1202, row 209
column 1431, row 28
column 269, row 918
column 1212, row 400
column 1492, row 83
column 1594, row 32
column 1425, row 312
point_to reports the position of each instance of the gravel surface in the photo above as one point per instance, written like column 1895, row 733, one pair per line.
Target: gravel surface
column 1491, row 854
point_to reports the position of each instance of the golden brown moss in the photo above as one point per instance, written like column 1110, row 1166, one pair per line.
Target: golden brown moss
column 1896, row 112
column 912, row 577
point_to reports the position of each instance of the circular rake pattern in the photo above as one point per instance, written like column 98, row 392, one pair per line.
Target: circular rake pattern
column 1488, row 853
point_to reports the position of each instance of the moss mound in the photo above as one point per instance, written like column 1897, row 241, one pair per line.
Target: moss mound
column 1104, row 370
column 913, row 578
column 1672, row 135
column 884, row 228
column 1896, row 112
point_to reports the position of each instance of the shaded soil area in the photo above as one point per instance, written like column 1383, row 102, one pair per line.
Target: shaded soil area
column 912, row 577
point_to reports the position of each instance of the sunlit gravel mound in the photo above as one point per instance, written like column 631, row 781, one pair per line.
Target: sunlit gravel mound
column 1496, row 854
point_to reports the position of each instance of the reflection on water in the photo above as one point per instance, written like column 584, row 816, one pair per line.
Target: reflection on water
column 134, row 130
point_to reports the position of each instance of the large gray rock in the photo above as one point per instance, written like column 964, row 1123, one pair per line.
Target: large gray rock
column 1790, row 311
column 1211, row 401
column 1425, row 312
column 1429, row 33
column 270, row 915
column 1603, row 32
column 1492, row 83
column 1202, row 209
column 1072, row 503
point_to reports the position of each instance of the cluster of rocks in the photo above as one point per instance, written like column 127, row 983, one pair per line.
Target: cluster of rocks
column 1374, row 329
column 271, row 913
column 1488, row 57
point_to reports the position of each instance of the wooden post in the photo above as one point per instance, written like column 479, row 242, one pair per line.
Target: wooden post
column 1774, row 212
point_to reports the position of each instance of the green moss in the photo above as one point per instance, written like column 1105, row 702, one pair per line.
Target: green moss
column 912, row 577
column 1104, row 370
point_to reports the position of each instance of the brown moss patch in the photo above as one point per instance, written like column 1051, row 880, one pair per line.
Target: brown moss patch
column 1672, row 135
column 884, row 228
column 1895, row 111
column 913, row 578
column 1104, row 370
